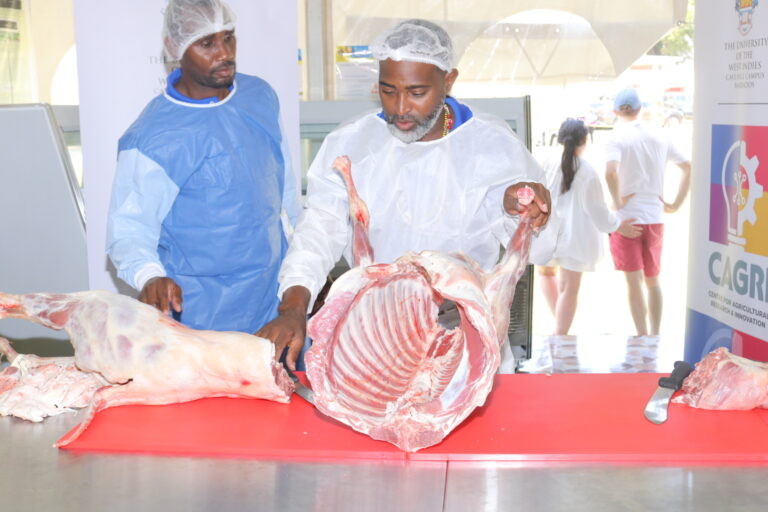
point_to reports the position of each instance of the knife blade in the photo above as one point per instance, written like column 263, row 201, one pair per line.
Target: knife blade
column 656, row 409
column 301, row 390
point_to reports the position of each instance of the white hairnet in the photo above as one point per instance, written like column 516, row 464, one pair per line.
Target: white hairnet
column 186, row 21
column 416, row 41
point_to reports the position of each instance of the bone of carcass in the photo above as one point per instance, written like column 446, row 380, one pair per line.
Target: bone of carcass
column 725, row 381
column 33, row 387
column 147, row 357
column 381, row 362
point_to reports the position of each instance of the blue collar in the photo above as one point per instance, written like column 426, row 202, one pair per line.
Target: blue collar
column 461, row 112
column 170, row 88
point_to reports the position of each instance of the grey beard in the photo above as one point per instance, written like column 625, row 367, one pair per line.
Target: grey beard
column 418, row 131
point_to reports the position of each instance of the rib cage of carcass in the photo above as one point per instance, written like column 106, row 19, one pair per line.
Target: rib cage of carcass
column 380, row 360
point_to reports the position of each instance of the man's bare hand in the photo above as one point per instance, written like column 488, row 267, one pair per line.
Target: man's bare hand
column 538, row 210
column 289, row 329
column 162, row 293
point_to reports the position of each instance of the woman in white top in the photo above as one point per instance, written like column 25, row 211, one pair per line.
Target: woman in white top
column 582, row 216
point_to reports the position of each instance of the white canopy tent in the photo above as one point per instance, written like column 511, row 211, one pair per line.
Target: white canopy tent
column 543, row 42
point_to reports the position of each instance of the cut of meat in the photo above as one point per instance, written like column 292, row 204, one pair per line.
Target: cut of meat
column 33, row 387
column 381, row 361
column 725, row 381
column 147, row 357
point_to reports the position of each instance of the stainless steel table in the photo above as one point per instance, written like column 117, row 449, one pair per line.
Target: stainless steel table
column 35, row 476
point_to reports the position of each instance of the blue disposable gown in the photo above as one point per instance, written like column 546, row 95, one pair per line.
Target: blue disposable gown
column 198, row 196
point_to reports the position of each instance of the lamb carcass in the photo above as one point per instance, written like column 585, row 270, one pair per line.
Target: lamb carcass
column 149, row 358
column 33, row 388
column 725, row 381
column 383, row 363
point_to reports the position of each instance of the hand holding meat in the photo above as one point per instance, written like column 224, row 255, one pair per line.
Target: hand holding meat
column 538, row 209
column 289, row 329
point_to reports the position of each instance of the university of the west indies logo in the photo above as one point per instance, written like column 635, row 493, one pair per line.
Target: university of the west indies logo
column 745, row 10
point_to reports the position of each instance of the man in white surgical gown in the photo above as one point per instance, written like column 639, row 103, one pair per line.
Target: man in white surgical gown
column 435, row 175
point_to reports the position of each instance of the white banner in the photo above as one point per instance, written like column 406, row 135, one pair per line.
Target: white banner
column 120, row 71
column 728, row 273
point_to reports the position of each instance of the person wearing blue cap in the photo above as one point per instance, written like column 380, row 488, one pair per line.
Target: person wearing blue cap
column 636, row 159
column 204, row 190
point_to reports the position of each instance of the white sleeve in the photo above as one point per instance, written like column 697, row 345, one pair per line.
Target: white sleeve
column 142, row 195
column 594, row 203
column 612, row 150
column 322, row 231
column 675, row 155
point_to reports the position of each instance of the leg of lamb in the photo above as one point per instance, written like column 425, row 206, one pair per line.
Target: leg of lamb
column 147, row 357
column 382, row 362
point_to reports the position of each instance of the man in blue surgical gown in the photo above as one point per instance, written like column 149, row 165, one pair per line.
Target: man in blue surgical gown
column 204, row 186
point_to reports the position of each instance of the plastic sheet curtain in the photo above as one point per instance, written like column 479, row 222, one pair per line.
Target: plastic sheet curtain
column 515, row 42
column 16, row 71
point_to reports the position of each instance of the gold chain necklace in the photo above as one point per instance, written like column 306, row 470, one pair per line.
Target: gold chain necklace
column 447, row 120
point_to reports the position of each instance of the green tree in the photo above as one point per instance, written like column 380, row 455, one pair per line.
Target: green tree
column 679, row 40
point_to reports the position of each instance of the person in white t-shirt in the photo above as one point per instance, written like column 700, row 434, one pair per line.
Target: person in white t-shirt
column 636, row 158
column 582, row 218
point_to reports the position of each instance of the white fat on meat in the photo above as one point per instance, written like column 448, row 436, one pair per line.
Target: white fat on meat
column 381, row 362
column 725, row 381
column 147, row 357
column 33, row 388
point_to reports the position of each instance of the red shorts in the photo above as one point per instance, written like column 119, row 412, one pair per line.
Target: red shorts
column 641, row 253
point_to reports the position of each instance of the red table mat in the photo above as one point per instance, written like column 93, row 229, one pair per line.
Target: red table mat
column 564, row 417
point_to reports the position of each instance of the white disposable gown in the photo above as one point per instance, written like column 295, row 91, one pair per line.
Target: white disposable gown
column 444, row 194
column 581, row 218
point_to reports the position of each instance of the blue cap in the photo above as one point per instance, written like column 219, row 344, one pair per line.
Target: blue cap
column 627, row 97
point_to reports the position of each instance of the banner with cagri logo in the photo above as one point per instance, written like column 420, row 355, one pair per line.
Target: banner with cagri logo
column 728, row 266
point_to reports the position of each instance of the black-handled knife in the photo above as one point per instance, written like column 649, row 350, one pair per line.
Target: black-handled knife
column 656, row 410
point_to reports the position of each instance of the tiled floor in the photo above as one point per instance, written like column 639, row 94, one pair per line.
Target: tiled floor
column 601, row 354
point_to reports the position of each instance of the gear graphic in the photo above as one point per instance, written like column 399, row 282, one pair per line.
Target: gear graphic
column 744, row 179
column 754, row 189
